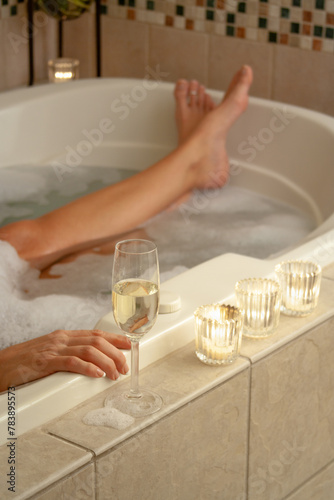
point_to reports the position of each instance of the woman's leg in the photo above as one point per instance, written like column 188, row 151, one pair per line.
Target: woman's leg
column 199, row 162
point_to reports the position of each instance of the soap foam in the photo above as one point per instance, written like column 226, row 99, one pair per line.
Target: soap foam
column 108, row 417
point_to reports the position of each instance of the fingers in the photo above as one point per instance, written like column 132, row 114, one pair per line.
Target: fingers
column 118, row 340
column 93, row 347
column 74, row 364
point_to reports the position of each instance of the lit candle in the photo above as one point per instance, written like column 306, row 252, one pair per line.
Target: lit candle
column 300, row 283
column 215, row 350
column 63, row 70
column 218, row 333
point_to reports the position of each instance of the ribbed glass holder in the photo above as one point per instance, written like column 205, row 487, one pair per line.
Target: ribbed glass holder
column 218, row 329
column 260, row 301
column 300, row 283
column 63, row 70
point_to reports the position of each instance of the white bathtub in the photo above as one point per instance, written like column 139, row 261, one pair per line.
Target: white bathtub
column 286, row 152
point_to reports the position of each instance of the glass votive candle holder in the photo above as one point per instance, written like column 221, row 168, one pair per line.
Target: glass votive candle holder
column 260, row 301
column 218, row 329
column 63, row 70
column 300, row 284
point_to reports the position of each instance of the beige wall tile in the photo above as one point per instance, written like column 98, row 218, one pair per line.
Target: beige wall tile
column 79, row 486
column 79, row 43
column 124, row 48
column 304, row 78
column 45, row 44
column 2, row 60
column 320, row 487
column 15, row 42
column 197, row 452
column 181, row 54
column 227, row 55
column 40, row 461
column 292, row 415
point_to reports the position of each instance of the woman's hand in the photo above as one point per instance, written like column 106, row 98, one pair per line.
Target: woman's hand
column 88, row 352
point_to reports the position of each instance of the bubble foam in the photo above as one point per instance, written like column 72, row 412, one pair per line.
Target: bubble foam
column 108, row 417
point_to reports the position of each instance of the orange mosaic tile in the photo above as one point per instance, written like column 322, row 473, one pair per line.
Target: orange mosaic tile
column 169, row 21
column 317, row 44
column 307, row 16
column 306, row 29
column 330, row 18
column 241, row 32
column 189, row 24
column 284, row 39
column 220, row 4
column 131, row 14
column 200, row 3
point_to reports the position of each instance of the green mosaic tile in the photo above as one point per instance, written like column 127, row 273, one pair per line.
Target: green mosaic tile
column 320, row 4
column 230, row 18
column 296, row 3
column 317, row 30
column 103, row 9
column 132, row 3
column 329, row 33
column 121, row 2
column 210, row 3
column 242, row 7
column 264, row 1
column 229, row 30
column 4, row 2
column 294, row 28
column 272, row 37
column 285, row 13
column 210, row 15
column 262, row 23
column 13, row 10
column 179, row 10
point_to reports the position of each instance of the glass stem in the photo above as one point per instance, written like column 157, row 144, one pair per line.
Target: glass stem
column 134, row 391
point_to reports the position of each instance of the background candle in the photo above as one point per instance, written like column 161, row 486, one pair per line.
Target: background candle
column 63, row 70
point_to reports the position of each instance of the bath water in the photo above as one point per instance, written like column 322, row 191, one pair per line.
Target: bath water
column 208, row 224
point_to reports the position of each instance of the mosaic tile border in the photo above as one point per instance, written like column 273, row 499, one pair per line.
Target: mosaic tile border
column 306, row 24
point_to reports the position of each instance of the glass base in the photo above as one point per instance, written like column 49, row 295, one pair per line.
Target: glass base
column 148, row 403
column 295, row 312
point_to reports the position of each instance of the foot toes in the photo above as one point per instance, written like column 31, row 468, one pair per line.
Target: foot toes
column 201, row 97
column 193, row 93
column 181, row 89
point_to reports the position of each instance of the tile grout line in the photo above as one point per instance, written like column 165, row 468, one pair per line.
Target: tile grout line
column 295, row 490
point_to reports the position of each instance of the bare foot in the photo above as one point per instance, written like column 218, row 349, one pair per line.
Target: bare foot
column 206, row 126
column 192, row 104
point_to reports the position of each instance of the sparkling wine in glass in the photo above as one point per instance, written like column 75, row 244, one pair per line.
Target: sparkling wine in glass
column 135, row 300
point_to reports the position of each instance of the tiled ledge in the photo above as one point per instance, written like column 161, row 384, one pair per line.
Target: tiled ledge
column 290, row 328
column 208, row 418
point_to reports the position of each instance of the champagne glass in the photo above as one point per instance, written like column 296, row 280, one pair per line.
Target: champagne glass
column 135, row 300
